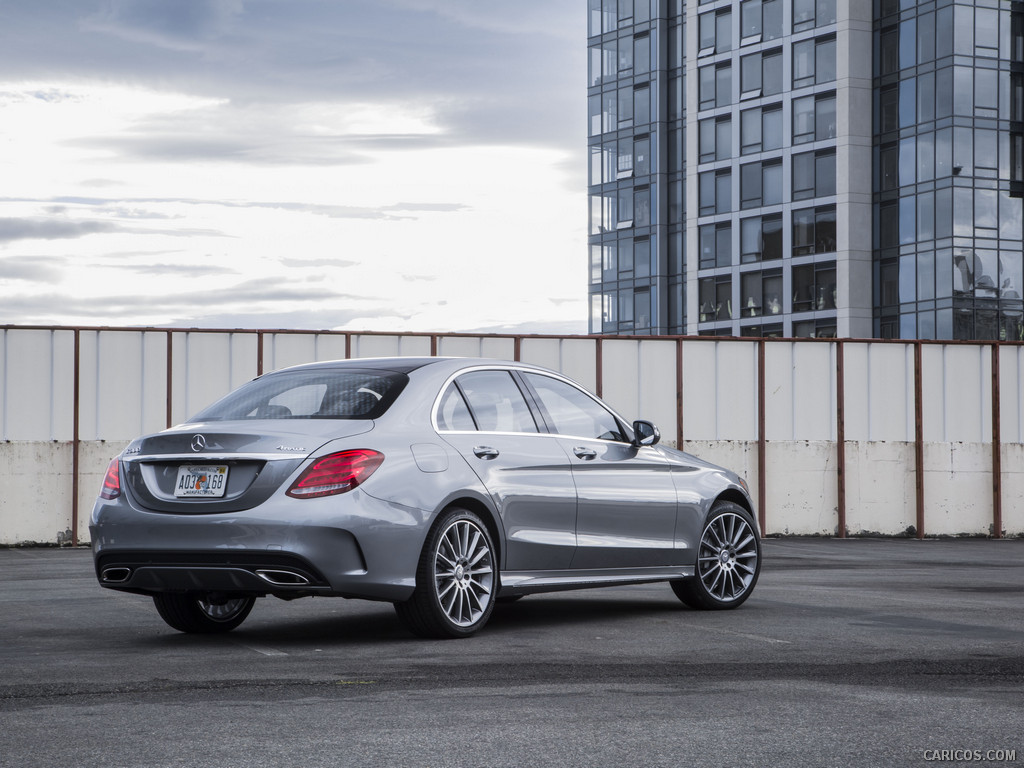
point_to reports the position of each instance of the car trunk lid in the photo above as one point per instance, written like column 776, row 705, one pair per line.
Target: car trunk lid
column 209, row 467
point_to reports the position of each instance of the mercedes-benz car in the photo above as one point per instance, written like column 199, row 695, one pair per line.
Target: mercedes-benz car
column 441, row 485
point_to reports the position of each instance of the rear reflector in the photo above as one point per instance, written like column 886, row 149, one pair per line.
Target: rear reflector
column 337, row 473
column 112, row 481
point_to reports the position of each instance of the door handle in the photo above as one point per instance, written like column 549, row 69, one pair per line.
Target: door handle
column 485, row 452
column 584, row 453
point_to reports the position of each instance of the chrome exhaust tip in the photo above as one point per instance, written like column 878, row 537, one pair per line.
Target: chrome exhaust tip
column 282, row 578
column 116, row 575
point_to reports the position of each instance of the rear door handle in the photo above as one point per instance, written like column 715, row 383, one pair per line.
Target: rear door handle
column 584, row 453
column 486, row 452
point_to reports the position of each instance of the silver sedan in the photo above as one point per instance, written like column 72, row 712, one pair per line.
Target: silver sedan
column 441, row 485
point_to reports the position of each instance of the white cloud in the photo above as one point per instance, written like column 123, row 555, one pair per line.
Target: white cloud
column 387, row 165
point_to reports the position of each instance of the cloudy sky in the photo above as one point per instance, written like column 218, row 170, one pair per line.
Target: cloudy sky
column 354, row 164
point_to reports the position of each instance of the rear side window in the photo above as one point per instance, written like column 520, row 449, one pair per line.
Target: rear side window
column 496, row 402
column 453, row 413
column 326, row 394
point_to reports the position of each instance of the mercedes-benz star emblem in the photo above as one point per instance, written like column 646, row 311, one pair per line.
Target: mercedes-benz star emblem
column 198, row 443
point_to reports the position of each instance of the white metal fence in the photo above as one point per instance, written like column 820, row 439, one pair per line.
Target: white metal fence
column 839, row 437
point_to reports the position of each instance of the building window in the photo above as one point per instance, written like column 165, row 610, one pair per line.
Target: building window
column 675, row 201
column 642, row 309
column 715, row 192
column 715, row 86
column 808, row 14
column 715, row 32
column 761, row 293
column 675, row 149
column 642, row 104
column 888, row 109
column 624, row 58
column 625, row 108
column 889, row 51
column 814, row 61
column 715, row 245
column 814, row 174
column 769, row 330
column 624, row 205
column 760, row 20
column 642, row 257
column 814, row 287
column 761, row 238
column 761, row 184
column 811, row 329
column 761, row 129
column 642, row 155
column 814, row 118
column 642, row 206
column 715, row 139
column 642, row 54
column 715, row 299
column 761, row 74
column 814, row 230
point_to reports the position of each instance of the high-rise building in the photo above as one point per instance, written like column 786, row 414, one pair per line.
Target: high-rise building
column 806, row 168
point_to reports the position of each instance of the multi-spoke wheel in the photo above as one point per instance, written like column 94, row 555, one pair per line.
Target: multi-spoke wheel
column 455, row 580
column 728, row 561
column 203, row 614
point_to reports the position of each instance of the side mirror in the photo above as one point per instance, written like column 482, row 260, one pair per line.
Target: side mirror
column 645, row 433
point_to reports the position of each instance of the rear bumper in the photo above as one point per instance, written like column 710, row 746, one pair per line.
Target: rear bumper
column 257, row 573
column 357, row 546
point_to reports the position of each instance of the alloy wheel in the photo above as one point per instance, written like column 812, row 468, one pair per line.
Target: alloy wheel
column 727, row 561
column 463, row 573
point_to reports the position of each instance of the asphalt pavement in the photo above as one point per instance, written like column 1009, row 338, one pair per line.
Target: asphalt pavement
column 849, row 653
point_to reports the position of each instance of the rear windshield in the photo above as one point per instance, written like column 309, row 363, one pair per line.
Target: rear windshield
column 331, row 394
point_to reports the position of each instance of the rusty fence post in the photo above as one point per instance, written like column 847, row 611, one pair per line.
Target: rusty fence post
column 840, row 441
column 76, row 438
column 762, row 441
column 919, row 437
column 997, row 449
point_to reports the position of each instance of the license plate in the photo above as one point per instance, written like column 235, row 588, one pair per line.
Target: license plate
column 201, row 481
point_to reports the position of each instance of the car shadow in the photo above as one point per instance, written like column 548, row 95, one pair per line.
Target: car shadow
column 362, row 623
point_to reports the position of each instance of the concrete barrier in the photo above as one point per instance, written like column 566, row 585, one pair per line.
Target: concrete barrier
column 837, row 437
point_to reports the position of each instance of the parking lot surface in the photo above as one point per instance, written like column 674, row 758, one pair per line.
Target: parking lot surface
column 849, row 653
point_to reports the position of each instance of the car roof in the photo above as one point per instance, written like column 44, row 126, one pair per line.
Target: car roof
column 391, row 364
column 397, row 364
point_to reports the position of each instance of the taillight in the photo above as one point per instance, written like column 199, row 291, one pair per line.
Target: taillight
column 112, row 481
column 337, row 473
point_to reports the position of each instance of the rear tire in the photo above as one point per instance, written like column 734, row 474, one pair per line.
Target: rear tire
column 456, row 579
column 728, row 561
column 195, row 614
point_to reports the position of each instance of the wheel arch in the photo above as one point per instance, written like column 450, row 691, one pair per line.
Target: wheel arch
column 484, row 512
column 736, row 497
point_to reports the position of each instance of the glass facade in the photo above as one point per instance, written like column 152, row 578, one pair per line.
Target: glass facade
column 636, row 166
column 948, row 234
column 729, row 184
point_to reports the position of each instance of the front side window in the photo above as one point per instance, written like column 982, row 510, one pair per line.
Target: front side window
column 572, row 412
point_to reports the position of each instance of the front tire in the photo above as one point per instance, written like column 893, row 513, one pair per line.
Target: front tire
column 198, row 614
column 728, row 561
column 455, row 579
